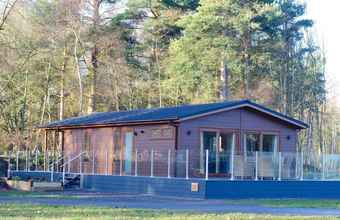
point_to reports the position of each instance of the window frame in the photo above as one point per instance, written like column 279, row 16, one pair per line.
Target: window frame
column 261, row 133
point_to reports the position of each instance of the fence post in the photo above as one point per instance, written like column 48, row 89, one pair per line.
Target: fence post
column 136, row 163
column 44, row 160
column 106, row 163
column 63, row 174
column 9, row 165
column 52, row 170
column 301, row 177
column 169, row 162
column 17, row 162
column 48, row 161
column 256, row 165
column 93, row 154
column 59, row 162
column 151, row 174
column 26, row 162
column 323, row 166
column 69, row 164
column 36, row 160
column 206, row 164
column 279, row 176
column 232, row 159
column 187, row 164
column 120, row 164
column 80, row 163
column 296, row 165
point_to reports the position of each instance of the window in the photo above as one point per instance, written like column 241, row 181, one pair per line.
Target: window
column 87, row 142
column 269, row 143
column 117, row 139
column 252, row 143
column 226, row 142
column 87, row 146
column 260, row 142
column 167, row 132
column 209, row 140
column 161, row 133
column 220, row 145
column 156, row 133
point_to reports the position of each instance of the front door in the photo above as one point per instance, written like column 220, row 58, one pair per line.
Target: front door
column 128, row 152
column 209, row 142
column 220, row 144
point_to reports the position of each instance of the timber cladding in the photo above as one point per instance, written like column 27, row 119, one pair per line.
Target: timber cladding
column 114, row 150
column 107, row 144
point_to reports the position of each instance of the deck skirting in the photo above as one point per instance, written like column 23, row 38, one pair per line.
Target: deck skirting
column 207, row 189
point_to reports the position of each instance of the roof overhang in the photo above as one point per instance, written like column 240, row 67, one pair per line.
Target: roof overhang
column 254, row 106
column 103, row 125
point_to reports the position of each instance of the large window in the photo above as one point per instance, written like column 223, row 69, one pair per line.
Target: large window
column 260, row 142
column 269, row 143
column 220, row 144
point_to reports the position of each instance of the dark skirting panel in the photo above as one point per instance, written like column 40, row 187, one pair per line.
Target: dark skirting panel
column 145, row 185
column 200, row 188
column 36, row 175
column 272, row 189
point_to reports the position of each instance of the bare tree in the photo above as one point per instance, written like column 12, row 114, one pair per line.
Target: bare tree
column 6, row 8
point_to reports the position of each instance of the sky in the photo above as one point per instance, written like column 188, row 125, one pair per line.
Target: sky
column 326, row 16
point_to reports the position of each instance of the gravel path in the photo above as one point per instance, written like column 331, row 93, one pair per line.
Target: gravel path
column 159, row 203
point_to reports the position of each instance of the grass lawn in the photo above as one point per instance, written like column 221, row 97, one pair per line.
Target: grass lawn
column 30, row 211
column 290, row 203
column 16, row 212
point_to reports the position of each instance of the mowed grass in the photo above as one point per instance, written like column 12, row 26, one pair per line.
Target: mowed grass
column 289, row 203
column 30, row 211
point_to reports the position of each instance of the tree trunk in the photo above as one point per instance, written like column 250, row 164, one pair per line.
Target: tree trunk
column 157, row 54
column 94, row 58
column 93, row 80
column 80, row 82
column 224, row 76
column 62, row 85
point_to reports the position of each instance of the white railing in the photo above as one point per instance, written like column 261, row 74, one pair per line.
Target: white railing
column 185, row 164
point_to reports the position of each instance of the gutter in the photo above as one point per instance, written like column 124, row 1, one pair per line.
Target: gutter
column 121, row 124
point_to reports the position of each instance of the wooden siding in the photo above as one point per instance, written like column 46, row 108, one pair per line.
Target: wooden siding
column 242, row 120
column 102, row 141
column 144, row 141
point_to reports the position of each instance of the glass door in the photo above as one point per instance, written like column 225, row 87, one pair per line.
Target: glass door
column 128, row 152
column 209, row 142
column 220, row 145
column 269, row 162
column 226, row 148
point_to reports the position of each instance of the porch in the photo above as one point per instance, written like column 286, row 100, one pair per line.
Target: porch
column 183, row 164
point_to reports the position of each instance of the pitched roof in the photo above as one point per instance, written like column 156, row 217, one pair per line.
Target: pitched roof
column 177, row 113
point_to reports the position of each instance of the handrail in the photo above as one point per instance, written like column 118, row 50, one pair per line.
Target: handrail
column 51, row 165
column 68, row 162
column 74, row 158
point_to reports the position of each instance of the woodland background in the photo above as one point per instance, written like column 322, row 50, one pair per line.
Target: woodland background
column 65, row 58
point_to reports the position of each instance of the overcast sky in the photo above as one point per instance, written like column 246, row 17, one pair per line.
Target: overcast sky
column 326, row 15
